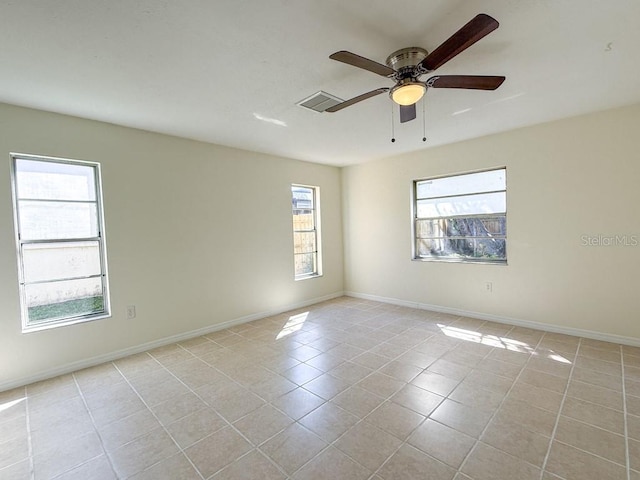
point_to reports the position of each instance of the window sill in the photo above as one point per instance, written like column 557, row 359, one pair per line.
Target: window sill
column 62, row 323
column 460, row 260
column 307, row 277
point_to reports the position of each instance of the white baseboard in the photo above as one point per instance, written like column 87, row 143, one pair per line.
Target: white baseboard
column 111, row 356
column 547, row 327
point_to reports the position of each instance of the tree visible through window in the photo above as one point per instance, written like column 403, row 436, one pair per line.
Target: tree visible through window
column 306, row 237
column 60, row 237
column 462, row 217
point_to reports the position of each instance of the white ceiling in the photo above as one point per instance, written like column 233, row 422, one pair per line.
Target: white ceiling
column 231, row 71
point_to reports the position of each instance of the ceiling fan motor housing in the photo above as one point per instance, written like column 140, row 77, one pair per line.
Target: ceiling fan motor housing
column 405, row 60
column 408, row 89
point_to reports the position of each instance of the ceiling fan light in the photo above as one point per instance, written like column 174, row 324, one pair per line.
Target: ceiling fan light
column 408, row 94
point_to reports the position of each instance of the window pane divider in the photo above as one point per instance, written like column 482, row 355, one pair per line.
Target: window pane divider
column 56, row 200
column 61, row 240
column 461, row 195
column 439, row 239
column 97, row 275
column 473, row 215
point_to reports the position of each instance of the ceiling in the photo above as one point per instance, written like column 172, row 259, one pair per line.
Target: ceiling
column 231, row 71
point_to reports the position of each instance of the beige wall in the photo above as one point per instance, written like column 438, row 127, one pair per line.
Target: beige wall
column 197, row 235
column 566, row 179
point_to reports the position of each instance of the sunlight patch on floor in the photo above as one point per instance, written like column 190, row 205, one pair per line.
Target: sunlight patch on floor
column 497, row 342
column 8, row 405
column 294, row 324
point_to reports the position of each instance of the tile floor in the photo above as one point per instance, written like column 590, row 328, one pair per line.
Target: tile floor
column 346, row 389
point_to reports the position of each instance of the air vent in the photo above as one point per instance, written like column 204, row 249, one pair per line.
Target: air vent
column 320, row 101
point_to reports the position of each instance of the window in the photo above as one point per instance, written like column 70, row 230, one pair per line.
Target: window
column 461, row 217
column 60, row 240
column 306, row 231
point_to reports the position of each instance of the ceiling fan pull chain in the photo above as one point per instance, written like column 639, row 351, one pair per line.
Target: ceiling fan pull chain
column 393, row 125
column 424, row 121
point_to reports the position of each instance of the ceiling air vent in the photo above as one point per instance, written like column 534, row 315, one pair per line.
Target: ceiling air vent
column 320, row 101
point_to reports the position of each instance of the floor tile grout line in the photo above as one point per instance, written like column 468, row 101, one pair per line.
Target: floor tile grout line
column 350, row 360
column 93, row 422
column 597, row 455
column 254, row 446
column 388, row 362
column 374, row 371
column 328, row 446
column 254, row 449
column 257, row 447
column 229, row 424
column 191, row 390
column 405, row 441
column 595, row 427
column 361, row 420
column 406, row 348
column 459, row 469
column 180, row 449
column 624, row 408
column 332, row 443
column 126, row 379
column 497, row 409
column 427, row 417
column 32, row 470
column 80, row 394
column 557, row 422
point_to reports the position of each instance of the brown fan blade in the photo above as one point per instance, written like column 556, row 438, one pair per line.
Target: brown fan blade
column 359, row 98
column 361, row 62
column 407, row 113
column 480, row 26
column 473, row 82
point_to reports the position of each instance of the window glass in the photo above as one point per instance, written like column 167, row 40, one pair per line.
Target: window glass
column 46, row 180
column 306, row 232
column 60, row 237
column 461, row 217
column 488, row 181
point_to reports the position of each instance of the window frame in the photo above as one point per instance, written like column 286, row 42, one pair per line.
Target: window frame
column 449, row 259
column 100, row 238
column 316, row 230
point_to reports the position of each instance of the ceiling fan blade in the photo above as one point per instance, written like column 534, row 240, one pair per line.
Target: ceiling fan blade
column 479, row 27
column 407, row 113
column 474, row 82
column 361, row 62
column 359, row 98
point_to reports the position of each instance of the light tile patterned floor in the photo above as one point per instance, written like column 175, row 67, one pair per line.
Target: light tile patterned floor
column 346, row 389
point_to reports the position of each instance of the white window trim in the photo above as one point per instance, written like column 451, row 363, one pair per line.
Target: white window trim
column 106, row 313
column 414, row 218
column 317, row 227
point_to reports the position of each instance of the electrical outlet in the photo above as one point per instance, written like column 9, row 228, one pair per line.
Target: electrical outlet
column 131, row 312
column 488, row 287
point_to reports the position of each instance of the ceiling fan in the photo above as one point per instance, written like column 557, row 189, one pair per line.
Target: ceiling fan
column 407, row 65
